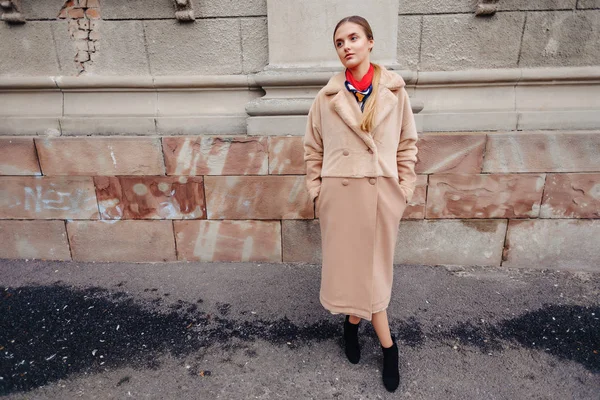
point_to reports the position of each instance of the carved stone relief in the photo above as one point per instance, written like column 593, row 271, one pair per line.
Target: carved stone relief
column 11, row 11
column 183, row 10
column 486, row 7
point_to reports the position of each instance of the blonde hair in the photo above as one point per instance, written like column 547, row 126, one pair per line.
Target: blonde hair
column 366, row 124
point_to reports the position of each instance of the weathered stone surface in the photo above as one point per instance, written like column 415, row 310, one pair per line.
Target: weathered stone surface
column 561, row 38
column 153, row 9
column 230, row 8
column 125, row 103
column 129, row 241
column 588, row 4
column 209, row 155
column 255, row 44
column 150, row 197
column 253, row 197
column 302, row 241
column 416, row 207
column 27, row 49
column 18, row 157
column 116, row 56
column 571, row 196
column 45, row 103
column 536, row 5
column 65, row 46
column 108, row 126
column 484, row 196
column 435, row 6
column 100, row 156
column 47, row 198
column 468, row 6
column 210, row 46
column 309, row 24
column 464, row 242
column 409, row 41
column 41, row 9
column 228, row 240
column 456, row 153
column 137, row 9
column 46, row 240
column 24, row 126
column 454, row 42
column 545, row 243
column 542, row 152
column 203, row 125
column 286, row 155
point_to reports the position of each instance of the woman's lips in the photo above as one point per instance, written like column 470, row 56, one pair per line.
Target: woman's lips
column 349, row 55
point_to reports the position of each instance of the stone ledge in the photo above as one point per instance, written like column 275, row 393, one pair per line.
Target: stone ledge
column 300, row 77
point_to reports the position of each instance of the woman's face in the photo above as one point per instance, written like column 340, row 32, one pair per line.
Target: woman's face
column 352, row 45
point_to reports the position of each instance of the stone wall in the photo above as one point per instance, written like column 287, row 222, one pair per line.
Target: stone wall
column 520, row 199
column 231, row 37
column 130, row 133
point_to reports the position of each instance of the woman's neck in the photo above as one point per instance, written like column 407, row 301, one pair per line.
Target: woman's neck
column 360, row 70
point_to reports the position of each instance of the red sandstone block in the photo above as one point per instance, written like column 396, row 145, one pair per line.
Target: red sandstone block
column 228, row 240
column 129, row 241
column 286, row 156
column 254, row 197
column 416, row 207
column 210, row 155
column 456, row 153
column 75, row 13
column 47, row 198
column 92, row 13
column 542, row 152
column 45, row 240
column 571, row 196
column 484, row 196
column 18, row 157
column 100, row 156
column 93, row 4
column 150, row 197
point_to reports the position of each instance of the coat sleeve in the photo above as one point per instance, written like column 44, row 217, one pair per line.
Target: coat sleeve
column 313, row 151
column 406, row 155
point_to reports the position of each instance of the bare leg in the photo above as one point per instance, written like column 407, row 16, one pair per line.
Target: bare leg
column 382, row 328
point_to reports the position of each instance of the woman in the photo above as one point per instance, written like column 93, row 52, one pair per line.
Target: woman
column 360, row 153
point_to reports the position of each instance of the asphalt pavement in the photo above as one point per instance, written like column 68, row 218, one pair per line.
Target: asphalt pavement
column 257, row 331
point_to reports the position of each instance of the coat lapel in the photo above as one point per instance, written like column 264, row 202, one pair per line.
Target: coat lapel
column 348, row 109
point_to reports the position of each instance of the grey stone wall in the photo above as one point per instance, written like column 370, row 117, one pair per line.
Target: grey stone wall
column 142, row 37
column 446, row 35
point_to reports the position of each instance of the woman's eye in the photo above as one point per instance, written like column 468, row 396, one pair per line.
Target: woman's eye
column 354, row 37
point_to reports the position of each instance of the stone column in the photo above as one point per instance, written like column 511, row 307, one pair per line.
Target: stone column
column 302, row 57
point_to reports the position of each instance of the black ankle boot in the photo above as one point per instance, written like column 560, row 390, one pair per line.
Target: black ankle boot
column 390, row 375
column 351, row 341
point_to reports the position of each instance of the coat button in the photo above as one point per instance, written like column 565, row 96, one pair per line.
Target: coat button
column 345, row 182
column 372, row 181
column 370, row 151
column 346, row 153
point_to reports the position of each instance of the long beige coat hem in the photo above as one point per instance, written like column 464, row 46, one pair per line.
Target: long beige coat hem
column 364, row 314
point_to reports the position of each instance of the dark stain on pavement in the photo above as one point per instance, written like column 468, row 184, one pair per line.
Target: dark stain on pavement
column 48, row 333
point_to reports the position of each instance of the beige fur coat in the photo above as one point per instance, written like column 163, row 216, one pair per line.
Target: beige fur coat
column 335, row 145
